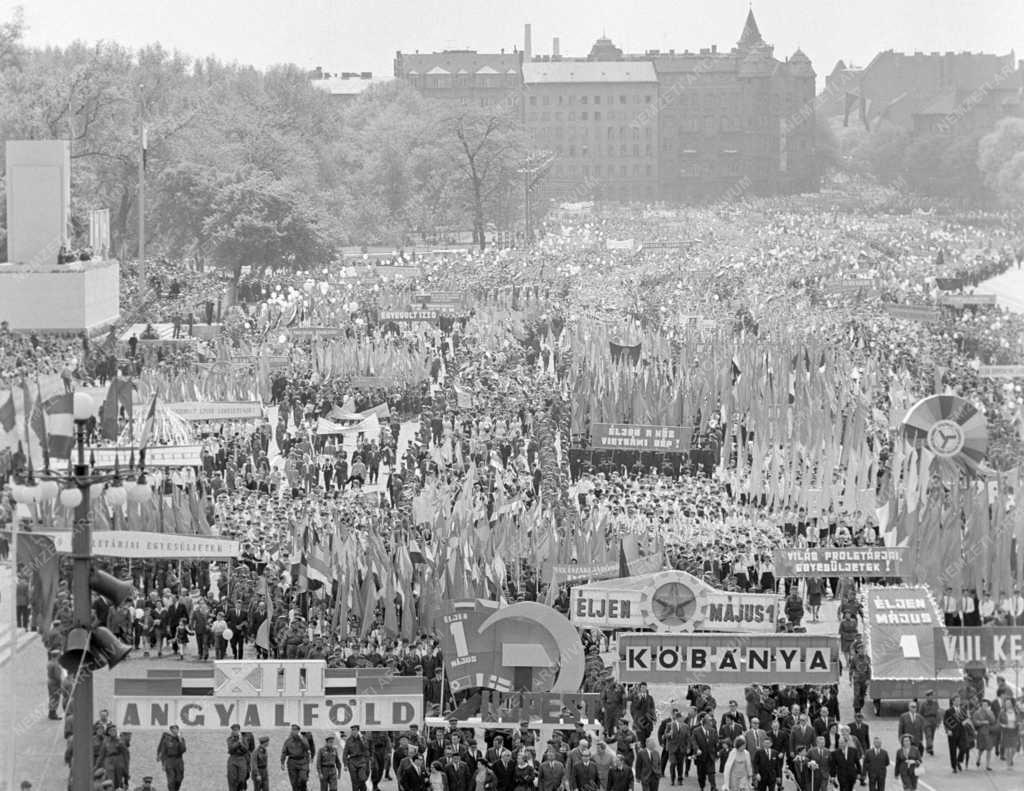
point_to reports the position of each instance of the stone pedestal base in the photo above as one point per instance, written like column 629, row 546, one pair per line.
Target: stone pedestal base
column 49, row 298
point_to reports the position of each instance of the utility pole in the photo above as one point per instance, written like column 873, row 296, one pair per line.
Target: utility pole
column 142, row 190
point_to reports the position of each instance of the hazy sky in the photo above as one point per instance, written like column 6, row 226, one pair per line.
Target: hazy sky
column 363, row 36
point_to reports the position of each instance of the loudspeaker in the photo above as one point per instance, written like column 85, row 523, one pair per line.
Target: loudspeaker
column 76, row 652
column 111, row 587
column 106, row 648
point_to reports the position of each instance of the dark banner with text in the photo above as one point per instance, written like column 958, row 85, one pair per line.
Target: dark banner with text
column 841, row 562
column 979, row 646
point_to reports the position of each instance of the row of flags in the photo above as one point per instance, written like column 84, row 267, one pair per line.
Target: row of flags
column 48, row 422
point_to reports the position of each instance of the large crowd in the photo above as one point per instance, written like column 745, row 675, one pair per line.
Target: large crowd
column 485, row 422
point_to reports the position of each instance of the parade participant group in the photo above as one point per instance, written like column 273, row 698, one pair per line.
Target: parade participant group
column 426, row 432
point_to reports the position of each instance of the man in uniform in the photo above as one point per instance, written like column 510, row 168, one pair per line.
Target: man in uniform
column 260, row 773
column 54, row 679
column 238, row 760
column 356, row 758
column 860, row 675
column 169, row 752
column 930, row 714
column 328, row 765
column 295, row 757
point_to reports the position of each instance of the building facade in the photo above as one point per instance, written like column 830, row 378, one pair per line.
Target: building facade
column 959, row 92
column 656, row 126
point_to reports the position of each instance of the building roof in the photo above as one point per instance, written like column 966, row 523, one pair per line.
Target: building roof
column 456, row 60
column 751, row 36
column 348, row 86
column 595, row 71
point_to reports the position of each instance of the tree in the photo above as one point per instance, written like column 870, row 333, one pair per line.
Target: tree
column 1001, row 160
column 882, row 153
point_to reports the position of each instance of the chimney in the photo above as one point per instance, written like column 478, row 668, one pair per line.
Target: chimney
column 554, row 48
column 527, row 41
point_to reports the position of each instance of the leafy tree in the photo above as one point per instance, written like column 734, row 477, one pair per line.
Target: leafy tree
column 1001, row 160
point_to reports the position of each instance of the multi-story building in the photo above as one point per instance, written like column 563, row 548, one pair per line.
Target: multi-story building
column 922, row 93
column 653, row 126
column 465, row 74
column 346, row 86
column 584, row 113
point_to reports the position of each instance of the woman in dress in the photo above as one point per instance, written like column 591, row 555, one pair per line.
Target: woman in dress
column 739, row 768
column 984, row 723
column 908, row 759
column 1009, row 725
column 815, row 588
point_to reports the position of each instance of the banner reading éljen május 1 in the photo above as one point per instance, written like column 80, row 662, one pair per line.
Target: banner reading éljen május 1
column 658, row 658
column 841, row 562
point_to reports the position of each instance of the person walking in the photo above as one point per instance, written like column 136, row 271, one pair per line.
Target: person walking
column 648, row 768
column 908, row 763
column 356, row 759
column 739, row 768
column 328, row 765
column 169, row 754
column 876, row 765
column 54, row 684
column 295, row 757
column 238, row 760
column 260, row 766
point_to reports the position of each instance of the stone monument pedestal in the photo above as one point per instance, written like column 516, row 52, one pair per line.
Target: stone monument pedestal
column 83, row 295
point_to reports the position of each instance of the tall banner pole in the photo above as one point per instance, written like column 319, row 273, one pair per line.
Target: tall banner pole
column 12, row 677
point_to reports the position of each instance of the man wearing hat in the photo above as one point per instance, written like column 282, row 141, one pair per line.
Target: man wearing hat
column 169, row 752
column 260, row 776
column 930, row 713
column 328, row 765
column 295, row 756
column 238, row 760
column 356, row 758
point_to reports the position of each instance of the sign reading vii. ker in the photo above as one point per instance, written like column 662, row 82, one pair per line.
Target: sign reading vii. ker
column 261, row 694
column 979, row 646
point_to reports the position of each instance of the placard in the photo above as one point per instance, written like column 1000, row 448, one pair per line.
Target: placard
column 574, row 572
column 728, row 658
column 442, row 297
column 315, row 332
column 1002, row 371
column 966, row 300
column 156, row 456
column 215, row 410
column 144, row 544
column 841, row 562
column 979, row 646
column 409, row 315
column 899, row 634
column 912, row 312
column 625, row 436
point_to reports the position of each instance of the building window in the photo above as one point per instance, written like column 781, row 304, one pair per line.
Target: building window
column 583, row 115
column 648, row 99
column 597, row 115
column 611, row 133
column 622, row 150
column 648, row 151
column 583, row 99
column 584, row 151
column 572, row 99
column 545, row 100
column 648, row 132
column 572, row 115
column 545, row 115
column 560, row 97
column 572, row 151
column 650, row 171
column 611, row 151
column 636, row 149
column 622, row 99
column 597, row 100
column 636, row 170
column 623, row 171
column 636, row 133
column 533, row 101
column 558, row 115
column 724, row 123
column 709, row 124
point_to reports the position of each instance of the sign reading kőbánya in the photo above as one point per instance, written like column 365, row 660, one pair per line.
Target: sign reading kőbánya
column 840, row 562
column 143, row 544
column 263, row 694
column 728, row 658
column 979, row 646
column 624, row 436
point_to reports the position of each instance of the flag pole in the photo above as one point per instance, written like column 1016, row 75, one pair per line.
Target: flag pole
column 13, row 677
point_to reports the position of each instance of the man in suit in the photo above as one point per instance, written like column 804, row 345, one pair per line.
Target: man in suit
column 504, row 772
column 754, row 736
column 584, row 774
column 551, row 774
column 820, row 756
column 648, row 768
column 802, row 735
column 705, row 749
column 912, row 725
column 734, row 713
column 643, row 713
column 412, row 775
column 460, row 776
column 663, row 728
column 677, row 744
column 575, row 757
column 493, row 754
column 620, row 776
column 767, row 766
column 876, row 765
column 237, row 623
column 860, row 731
column 846, row 764
column 727, row 738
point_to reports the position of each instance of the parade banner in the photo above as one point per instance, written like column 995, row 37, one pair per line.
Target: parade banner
column 670, row 600
column 912, row 312
column 899, row 636
column 156, row 456
column 409, row 315
column 841, row 562
column 264, row 694
column 967, row 300
column 1002, row 371
column 950, row 283
column 216, row 410
column 850, row 286
column 562, row 573
column 979, row 646
column 623, row 436
column 620, row 244
column 728, row 658
column 315, row 332
column 441, row 297
column 143, row 544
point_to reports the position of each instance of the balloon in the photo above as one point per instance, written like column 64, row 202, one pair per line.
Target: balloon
column 228, row 634
column 139, row 613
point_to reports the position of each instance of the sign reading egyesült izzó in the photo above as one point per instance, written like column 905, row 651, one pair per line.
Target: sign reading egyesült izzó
column 264, row 694
column 841, row 562
column 624, row 436
column 728, row 658
column 409, row 315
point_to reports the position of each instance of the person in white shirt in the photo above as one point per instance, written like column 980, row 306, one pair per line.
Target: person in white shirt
column 987, row 609
column 950, row 607
column 1014, row 607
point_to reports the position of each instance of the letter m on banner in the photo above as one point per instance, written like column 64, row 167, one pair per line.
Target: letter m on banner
column 237, row 679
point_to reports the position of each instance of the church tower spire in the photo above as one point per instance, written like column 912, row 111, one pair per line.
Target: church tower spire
column 751, row 35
